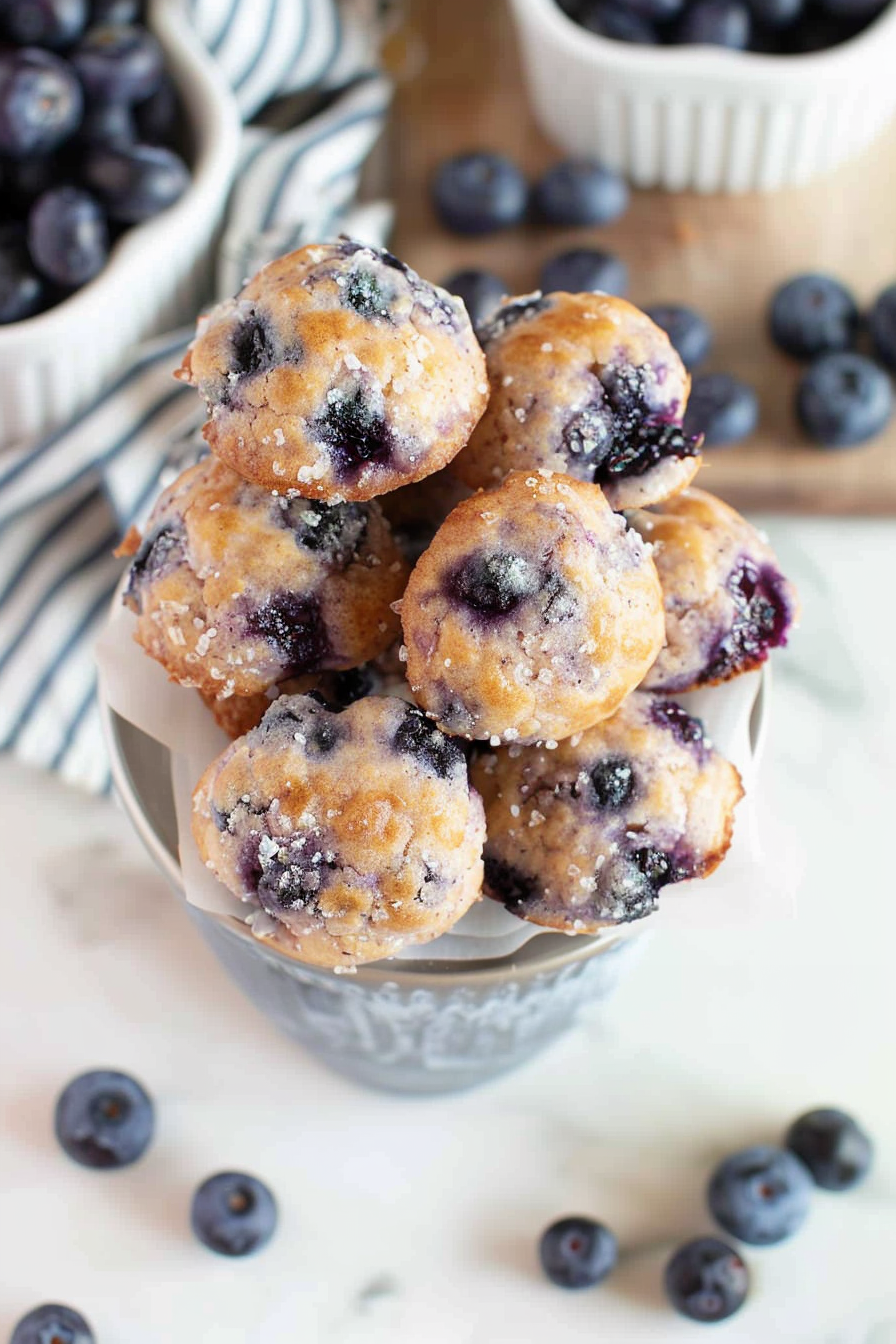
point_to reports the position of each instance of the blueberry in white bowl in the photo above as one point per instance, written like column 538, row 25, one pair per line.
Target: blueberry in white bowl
column 40, row 101
column 104, row 1119
column 716, row 23
column 233, row 1213
column 55, row 24
column 52, row 1323
column 844, row 399
column 760, row 1195
column 68, row 236
column 22, row 291
column 617, row 21
column 706, row 1280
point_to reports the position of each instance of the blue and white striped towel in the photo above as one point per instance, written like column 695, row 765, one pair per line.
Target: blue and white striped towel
column 67, row 500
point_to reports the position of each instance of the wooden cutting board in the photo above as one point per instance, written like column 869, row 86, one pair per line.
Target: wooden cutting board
column 460, row 87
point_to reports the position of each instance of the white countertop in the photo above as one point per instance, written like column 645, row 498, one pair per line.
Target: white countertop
column 415, row 1221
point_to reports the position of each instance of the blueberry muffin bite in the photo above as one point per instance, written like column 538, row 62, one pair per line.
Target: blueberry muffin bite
column 532, row 614
column 236, row 589
column 726, row 601
column 357, row 832
column 584, row 384
column 338, row 373
column 588, row 834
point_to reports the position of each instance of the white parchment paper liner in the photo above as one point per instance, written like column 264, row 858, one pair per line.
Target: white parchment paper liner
column 744, row 888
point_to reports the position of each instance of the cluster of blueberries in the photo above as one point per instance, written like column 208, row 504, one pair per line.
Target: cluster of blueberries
column 844, row 397
column 105, row 1120
column 88, row 115
column 772, row 27
column 760, row 1196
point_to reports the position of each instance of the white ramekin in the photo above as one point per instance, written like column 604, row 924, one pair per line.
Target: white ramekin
column 703, row 118
column 52, row 364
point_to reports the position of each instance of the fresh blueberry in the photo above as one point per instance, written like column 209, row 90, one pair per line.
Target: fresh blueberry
column 52, row 1324
column 760, row 1195
column 658, row 11
column 577, row 1252
column 43, row 23
column 819, row 32
column 22, row 292
column 612, row 782
column 115, row 11
column 716, row 23
column 479, row 291
column 40, row 102
column 294, row 625
column 157, row 115
column 813, row 315
column 417, row 736
column 836, row 1150
column 607, row 18
column 68, row 237
column 104, row 1119
column 496, row 584
column 688, row 330
column 233, row 1214
column 584, row 270
column 355, row 432
column 26, row 179
column 706, row 1280
column 580, row 192
column 853, row 9
column 775, row 14
column 844, row 399
column 479, row 193
column 119, row 63
column 107, row 124
column 722, row 408
column 135, row 182
column 882, row 326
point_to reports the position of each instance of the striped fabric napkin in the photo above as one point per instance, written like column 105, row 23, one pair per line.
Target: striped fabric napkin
column 66, row 501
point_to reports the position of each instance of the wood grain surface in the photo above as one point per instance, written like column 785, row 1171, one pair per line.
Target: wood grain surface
column 462, row 88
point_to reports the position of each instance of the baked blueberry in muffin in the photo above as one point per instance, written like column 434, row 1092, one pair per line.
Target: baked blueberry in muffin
column 338, row 374
column 587, row 834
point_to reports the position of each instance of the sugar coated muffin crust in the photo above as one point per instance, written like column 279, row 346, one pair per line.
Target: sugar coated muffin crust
column 584, row 384
column 236, row 589
column 532, row 614
column 357, row 832
column 338, row 373
column 588, row 834
column 726, row 601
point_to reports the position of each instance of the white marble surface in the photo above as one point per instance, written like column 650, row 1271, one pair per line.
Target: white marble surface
column 414, row 1222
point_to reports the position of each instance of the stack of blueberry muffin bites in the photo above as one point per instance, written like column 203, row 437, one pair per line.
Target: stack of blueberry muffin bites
column 438, row 586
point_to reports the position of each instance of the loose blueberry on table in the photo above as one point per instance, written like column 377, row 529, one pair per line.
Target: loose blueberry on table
column 706, row 1280
column 882, row 326
column 479, row 192
column 233, row 1214
column 52, row 1323
column 813, row 315
column 583, row 269
column 579, row 192
column 104, row 1119
column 688, row 330
column 577, row 1252
column 480, row 292
column 87, row 119
column 760, row 1195
column 833, row 1146
column 844, row 399
column 722, row 408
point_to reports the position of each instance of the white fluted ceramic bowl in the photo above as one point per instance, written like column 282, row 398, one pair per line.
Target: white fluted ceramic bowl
column 157, row 274
column 703, row 118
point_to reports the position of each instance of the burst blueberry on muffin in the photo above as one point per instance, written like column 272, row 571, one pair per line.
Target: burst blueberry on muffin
column 532, row 613
column 726, row 601
column 236, row 589
column 584, row 384
column 356, row 831
column 338, row 373
column 587, row 835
